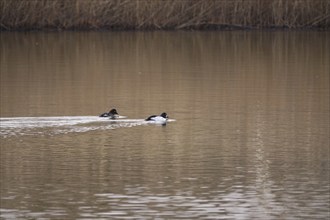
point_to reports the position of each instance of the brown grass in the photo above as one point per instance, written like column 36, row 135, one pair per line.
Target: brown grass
column 163, row 14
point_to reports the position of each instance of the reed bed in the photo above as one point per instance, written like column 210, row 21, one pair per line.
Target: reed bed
column 163, row 14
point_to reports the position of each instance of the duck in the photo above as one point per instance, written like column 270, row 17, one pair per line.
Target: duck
column 162, row 118
column 112, row 114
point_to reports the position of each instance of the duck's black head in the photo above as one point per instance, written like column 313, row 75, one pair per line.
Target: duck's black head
column 164, row 115
column 113, row 111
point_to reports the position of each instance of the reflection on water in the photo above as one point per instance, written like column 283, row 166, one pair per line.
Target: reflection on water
column 250, row 138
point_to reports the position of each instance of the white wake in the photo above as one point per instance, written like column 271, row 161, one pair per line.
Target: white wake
column 65, row 124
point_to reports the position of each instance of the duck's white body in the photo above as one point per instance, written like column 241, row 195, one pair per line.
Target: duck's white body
column 159, row 119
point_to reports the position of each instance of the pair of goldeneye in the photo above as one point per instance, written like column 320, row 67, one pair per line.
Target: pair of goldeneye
column 162, row 118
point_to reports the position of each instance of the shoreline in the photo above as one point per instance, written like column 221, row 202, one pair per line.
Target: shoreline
column 192, row 29
column 153, row 15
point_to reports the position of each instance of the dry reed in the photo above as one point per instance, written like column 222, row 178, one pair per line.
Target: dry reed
column 163, row 14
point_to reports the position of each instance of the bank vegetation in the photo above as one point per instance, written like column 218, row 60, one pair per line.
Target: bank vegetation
column 163, row 14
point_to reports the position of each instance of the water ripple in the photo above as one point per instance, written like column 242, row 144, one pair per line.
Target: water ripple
column 61, row 125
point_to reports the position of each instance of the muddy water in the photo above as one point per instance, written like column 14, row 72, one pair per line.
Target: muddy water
column 248, row 136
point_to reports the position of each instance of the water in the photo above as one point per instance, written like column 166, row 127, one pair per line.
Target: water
column 248, row 136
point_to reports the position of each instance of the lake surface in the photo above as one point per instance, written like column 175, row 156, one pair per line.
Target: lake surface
column 248, row 136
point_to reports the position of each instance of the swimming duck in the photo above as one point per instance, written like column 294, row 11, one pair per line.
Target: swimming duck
column 162, row 118
column 113, row 114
